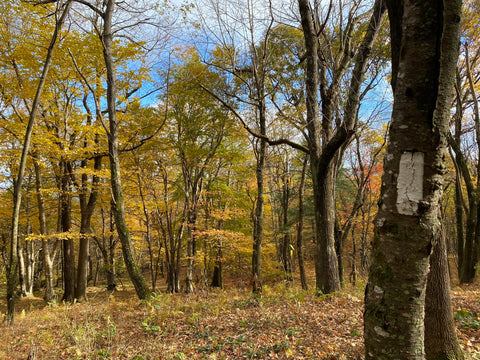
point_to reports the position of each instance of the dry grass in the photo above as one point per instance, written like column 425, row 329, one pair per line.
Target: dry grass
column 231, row 324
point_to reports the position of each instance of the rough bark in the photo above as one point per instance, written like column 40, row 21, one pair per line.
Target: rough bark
column 424, row 41
column 441, row 341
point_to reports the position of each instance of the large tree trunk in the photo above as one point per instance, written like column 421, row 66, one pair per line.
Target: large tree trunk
column 407, row 226
column 136, row 276
column 326, row 269
column 440, row 336
column 82, row 270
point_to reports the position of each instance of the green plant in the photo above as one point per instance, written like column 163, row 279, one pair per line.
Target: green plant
column 467, row 319
column 150, row 329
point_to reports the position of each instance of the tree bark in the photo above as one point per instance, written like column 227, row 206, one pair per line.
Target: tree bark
column 440, row 337
column 136, row 276
column 424, row 41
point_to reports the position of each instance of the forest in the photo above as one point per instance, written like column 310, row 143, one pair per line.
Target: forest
column 240, row 179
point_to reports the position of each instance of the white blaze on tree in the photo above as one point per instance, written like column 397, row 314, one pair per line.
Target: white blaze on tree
column 410, row 182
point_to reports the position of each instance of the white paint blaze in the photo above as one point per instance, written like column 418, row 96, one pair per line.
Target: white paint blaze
column 410, row 182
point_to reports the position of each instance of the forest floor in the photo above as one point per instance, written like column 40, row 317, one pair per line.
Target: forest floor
column 284, row 323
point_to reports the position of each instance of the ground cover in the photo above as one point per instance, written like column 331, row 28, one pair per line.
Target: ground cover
column 284, row 323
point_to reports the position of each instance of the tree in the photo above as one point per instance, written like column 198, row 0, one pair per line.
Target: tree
column 467, row 167
column 324, row 142
column 136, row 276
column 424, row 42
column 17, row 194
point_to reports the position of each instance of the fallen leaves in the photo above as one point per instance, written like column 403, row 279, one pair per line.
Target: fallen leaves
column 282, row 324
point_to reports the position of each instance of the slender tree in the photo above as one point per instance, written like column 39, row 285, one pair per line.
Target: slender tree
column 136, row 276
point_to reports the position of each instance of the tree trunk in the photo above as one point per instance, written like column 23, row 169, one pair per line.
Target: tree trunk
column 258, row 218
column 29, row 266
column 301, row 191
column 467, row 268
column 21, row 269
column 326, row 269
column 136, row 276
column 458, row 179
column 217, row 279
column 86, row 212
column 148, row 232
column 407, row 226
column 470, row 266
column 65, row 225
column 191, row 223
column 353, row 273
column 110, row 260
column 47, row 254
column 340, row 238
column 440, row 337
column 285, row 241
